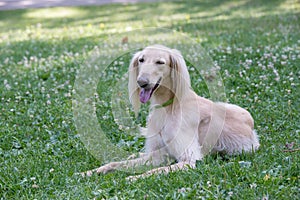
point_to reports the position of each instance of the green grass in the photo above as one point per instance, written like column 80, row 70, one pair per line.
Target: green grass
column 255, row 43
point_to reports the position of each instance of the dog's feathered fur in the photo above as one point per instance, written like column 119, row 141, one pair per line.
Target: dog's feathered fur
column 191, row 126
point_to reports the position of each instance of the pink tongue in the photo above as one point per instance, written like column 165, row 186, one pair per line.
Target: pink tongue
column 145, row 95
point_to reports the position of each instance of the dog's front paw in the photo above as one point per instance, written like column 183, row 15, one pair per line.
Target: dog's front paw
column 85, row 174
column 105, row 169
column 101, row 170
column 133, row 178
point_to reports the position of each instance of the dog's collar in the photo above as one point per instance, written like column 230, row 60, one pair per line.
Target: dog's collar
column 167, row 103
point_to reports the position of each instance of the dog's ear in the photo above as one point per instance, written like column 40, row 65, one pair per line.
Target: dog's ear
column 180, row 75
column 133, row 89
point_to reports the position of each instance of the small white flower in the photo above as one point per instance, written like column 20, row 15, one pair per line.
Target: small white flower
column 208, row 184
column 7, row 86
column 283, row 62
column 67, row 94
column 253, row 185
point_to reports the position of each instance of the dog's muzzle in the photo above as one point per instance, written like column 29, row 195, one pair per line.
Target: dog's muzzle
column 147, row 88
column 143, row 82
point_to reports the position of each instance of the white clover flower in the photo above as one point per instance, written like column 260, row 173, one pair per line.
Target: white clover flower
column 253, row 185
column 283, row 62
column 7, row 86
column 208, row 184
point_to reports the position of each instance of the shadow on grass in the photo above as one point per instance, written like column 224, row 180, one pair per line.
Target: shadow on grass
column 243, row 31
column 160, row 11
column 194, row 17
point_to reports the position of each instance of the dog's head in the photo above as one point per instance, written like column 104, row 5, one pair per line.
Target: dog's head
column 154, row 67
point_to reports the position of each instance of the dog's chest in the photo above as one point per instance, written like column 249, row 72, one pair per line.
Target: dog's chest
column 173, row 132
column 166, row 128
column 162, row 123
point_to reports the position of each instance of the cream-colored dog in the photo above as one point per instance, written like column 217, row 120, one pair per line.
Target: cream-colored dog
column 181, row 125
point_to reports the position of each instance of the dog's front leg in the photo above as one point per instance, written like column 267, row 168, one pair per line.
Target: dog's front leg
column 164, row 170
column 186, row 160
column 145, row 159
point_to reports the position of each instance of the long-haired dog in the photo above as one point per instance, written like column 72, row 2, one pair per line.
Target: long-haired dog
column 181, row 125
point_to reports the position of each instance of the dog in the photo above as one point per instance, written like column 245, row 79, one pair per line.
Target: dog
column 181, row 125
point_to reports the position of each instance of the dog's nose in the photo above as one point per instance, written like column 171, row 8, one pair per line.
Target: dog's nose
column 143, row 82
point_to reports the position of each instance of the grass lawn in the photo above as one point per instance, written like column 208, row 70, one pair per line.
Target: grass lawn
column 256, row 44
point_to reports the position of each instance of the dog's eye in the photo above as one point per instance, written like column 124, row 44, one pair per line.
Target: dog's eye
column 141, row 60
column 159, row 62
